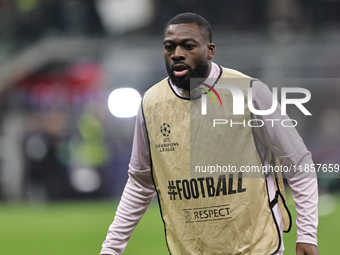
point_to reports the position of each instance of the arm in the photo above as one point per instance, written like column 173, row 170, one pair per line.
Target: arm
column 138, row 193
column 289, row 147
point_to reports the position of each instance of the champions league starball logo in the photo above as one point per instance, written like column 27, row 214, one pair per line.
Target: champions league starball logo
column 165, row 129
column 167, row 145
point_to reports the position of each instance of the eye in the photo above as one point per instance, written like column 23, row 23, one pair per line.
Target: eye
column 168, row 47
column 189, row 46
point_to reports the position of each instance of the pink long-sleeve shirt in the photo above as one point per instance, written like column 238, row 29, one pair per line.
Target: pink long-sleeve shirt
column 285, row 142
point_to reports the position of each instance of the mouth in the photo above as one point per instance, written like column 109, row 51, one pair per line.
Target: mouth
column 180, row 70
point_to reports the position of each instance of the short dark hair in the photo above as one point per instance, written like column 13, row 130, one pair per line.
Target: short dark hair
column 189, row 18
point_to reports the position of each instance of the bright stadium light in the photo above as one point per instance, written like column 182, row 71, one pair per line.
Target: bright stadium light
column 124, row 102
column 85, row 180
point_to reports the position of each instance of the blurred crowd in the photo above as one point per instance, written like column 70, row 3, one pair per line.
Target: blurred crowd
column 25, row 21
column 59, row 60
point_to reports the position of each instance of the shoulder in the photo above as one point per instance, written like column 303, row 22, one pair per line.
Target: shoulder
column 261, row 91
column 232, row 73
column 157, row 88
column 156, row 94
column 257, row 85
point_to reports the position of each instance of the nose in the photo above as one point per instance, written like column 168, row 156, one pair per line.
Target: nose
column 178, row 54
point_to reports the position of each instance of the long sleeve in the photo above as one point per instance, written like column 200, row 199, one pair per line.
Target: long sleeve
column 287, row 144
column 138, row 193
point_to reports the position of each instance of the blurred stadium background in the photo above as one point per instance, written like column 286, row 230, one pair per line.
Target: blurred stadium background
column 64, row 152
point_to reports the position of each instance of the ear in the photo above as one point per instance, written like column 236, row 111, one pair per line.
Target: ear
column 211, row 51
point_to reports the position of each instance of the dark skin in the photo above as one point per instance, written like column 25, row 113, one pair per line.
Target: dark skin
column 189, row 44
column 187, row 53
column 306, row 249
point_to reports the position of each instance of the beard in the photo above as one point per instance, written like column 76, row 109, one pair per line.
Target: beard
column 199, row 71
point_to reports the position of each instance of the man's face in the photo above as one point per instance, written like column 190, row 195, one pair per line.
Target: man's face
column 187, row 53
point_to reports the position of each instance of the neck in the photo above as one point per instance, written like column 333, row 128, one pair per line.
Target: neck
column 208, row 70
column 212, row 75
